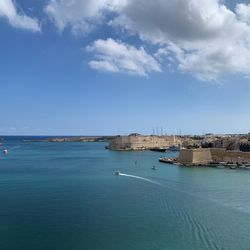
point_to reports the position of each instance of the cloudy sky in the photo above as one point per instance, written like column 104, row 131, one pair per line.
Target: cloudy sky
column 120, row 66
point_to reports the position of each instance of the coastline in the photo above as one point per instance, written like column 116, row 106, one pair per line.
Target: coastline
column 77, row 139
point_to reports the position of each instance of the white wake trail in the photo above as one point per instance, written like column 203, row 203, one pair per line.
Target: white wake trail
column 9, row 148
column 141, row 178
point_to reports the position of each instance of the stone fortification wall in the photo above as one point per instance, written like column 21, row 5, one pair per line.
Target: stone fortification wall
column 230, row 156
column 186, row 156
column 205, row 156
column 202, row 156
column 195, row 156
column 140, row 142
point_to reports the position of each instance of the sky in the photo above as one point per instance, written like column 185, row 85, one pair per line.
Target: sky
column 107, row 67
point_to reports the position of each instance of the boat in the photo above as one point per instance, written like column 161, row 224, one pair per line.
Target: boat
column 220, row 166
column 242, row 166
column 232, row 166
column 246, row 166
column 154, row 168
column 174, row 148
column 167, row 160
column 5, row 151
column 222, row 163
column 117, row 172
column 158, row 149
column 177, row 163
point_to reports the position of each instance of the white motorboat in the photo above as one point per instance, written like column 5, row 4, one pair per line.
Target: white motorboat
column 117, row 172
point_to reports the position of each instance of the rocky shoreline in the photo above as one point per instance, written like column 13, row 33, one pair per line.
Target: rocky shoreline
column 78, row 139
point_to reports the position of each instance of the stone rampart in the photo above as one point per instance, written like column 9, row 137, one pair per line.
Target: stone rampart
column 195, row 156
column 234, row 156
column 207, row 155
column 140, row 142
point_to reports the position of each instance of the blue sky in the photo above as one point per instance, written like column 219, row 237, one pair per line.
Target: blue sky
column 94, row 68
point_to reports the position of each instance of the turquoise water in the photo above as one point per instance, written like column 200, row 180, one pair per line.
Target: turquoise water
column 66, row 196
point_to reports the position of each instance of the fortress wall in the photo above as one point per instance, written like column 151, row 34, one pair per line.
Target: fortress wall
column 202, row 156
column 141, row 142
column 230, row 156
column 186, row 156
column 205, row 156
column 218, row 154
column 195, row 156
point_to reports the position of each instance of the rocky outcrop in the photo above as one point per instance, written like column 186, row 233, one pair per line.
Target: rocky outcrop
column 79, row 139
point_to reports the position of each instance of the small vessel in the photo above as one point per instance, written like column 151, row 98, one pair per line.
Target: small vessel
column 167, row 160
column 5, row 151
column 117, row 172
column 247, row 166
column 232, row 166
column 220, row 166
column 222, row 163
column 177, row 164
column 158, row 149
column 174, row 148
column 242, row 167
column 154, row 168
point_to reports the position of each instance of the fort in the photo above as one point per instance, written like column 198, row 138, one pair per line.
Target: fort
column 205, row 156
column 142, row 142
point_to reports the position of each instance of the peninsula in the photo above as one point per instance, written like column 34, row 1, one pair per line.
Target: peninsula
column 77, row 139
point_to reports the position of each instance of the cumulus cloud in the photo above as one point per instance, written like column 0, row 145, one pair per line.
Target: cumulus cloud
column 205, row 38
column 243, row 12
column 116, row 56
column 200, row 37
column 80, row 15
column 8, row 10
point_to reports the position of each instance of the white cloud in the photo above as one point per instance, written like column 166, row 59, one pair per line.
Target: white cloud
column 115, row 56
column 8, row 10
column 243, row 12
column 80, row 15
column 200, row 37
column 205, row 38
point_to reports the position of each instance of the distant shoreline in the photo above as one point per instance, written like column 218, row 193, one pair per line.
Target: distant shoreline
column 77, row 139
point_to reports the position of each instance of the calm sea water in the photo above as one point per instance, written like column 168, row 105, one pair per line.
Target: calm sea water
column 65, row 196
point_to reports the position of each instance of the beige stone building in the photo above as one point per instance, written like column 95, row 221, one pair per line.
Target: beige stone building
column 232, row 156
column 195, row 156
column 141, row 142
column 209, row 155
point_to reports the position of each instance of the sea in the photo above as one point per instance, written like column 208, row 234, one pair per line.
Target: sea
column 65, row 196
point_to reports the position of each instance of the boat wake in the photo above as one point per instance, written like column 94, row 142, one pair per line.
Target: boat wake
column 162, row 185
column 141, row 178
column 10, row 148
